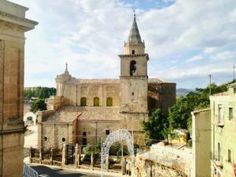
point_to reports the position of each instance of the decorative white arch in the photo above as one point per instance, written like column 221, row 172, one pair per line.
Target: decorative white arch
column 30, row 114
column 116, row 136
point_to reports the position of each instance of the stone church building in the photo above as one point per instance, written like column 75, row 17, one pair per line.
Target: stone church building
column 85, row 111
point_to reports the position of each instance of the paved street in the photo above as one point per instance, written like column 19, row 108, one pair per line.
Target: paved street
column 46, row 171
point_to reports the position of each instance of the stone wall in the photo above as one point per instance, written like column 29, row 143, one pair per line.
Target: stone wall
column 55, row 102
column 74, row 93
column 146, row 168
column 13, row 25
column 96, row 131
column 161, row 95
column 164, row 160
column 134, row 94
column 55, row 134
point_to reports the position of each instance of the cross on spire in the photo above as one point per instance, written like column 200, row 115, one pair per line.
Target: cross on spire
column 66, row 66
column 134, row 13
column 66, row 70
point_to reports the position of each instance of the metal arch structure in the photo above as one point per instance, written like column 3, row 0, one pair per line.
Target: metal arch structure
column 116, row 136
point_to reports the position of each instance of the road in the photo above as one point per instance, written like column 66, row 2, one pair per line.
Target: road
column 46, row 171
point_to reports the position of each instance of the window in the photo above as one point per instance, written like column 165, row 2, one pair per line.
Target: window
column 229, row 155
column 220, row 115
column 231, row 113
column 95, row 101
column 84, row 139
column 218, row 148
column 133, row 52
column 109, row 101
column 63, row 139
column 107, row 132
column 30, row 118
column 83, row 101
column 45, row 138
column 133, row 67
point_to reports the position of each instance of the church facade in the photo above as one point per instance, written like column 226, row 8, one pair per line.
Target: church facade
column 85, row 111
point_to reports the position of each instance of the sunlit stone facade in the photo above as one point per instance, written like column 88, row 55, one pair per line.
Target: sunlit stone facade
column 13, row 26
column 98, row 106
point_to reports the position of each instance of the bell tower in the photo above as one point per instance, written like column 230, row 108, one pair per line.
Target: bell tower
column 134, row 80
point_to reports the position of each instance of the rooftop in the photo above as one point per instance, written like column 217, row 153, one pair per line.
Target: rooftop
column 68, row 114
column 178, row 157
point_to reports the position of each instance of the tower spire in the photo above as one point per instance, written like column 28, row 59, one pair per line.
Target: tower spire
column 134, row 36
column 66, row 70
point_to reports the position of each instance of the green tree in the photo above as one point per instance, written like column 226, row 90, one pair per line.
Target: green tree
column 180, row 114
column 38, row 105
column 156, row 128
column 40, row 92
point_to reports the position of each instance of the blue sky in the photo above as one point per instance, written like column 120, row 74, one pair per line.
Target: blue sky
column 186, row 39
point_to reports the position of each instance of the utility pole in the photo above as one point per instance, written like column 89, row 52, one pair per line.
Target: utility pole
column 210, row 84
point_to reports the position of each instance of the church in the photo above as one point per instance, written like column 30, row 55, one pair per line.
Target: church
column 85, row 111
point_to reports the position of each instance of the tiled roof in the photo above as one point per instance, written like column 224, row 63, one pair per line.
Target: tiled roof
column 68, row 114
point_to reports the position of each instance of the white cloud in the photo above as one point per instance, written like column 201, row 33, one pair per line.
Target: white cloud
column 89, row 34
column 195, row 58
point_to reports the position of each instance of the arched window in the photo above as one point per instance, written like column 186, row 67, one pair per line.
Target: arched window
column 95, row 101
column 83, row 101
column 133, row 67
column 109, row 101
column 133, row 52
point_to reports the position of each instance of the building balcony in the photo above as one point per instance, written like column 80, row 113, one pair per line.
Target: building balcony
column 218, row 164
column 220, row 124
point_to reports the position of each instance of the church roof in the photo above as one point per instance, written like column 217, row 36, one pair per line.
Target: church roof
column 68, row 114
column 99, row 81
column 155, row 80
column 134, row 36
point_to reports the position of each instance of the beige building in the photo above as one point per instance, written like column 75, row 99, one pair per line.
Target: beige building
column 13, row 26
column 223, row 136
column 214, row 136
column 92, row 108
column 201, row 143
